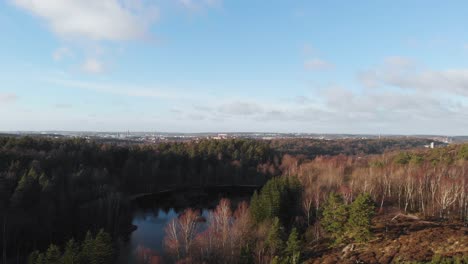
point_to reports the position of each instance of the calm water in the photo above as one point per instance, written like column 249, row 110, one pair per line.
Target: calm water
column 152, row 214
column 148, row 239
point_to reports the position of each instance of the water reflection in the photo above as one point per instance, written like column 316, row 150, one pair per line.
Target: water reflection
column 152, row 214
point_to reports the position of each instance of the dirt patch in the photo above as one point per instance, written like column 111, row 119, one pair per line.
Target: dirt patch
column 402, row 239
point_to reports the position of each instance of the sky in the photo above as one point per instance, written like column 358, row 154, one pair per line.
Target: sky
column 387, row 67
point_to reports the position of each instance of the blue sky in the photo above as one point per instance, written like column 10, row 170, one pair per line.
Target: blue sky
column 219, row 65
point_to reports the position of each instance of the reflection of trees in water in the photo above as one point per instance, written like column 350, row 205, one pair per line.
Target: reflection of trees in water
column 148, row 256
column 220, row 239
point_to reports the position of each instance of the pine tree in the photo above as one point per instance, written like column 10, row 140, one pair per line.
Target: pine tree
column 44, row 181
column 28, row 190
column 72, row 252
column 87, row 249
column 360, row 214
column 271, row 196
column 256, row 208
column 32, row 259
column 274, row 240
column 293, row 247
column 41, row 259
column 334, row 217
column 103, row 249
column 279, row 197
column 53, row 255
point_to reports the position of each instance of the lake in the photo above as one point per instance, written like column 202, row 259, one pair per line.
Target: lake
column 153, row 212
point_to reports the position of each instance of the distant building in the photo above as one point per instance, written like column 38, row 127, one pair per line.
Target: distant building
column 221, row 136
column 432, row 145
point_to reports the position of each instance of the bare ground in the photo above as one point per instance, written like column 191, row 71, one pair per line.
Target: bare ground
column 399, row 238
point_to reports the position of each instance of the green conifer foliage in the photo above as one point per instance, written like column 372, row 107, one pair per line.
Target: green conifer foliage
column 28, row 190
column 293, row 247
column 280, row 197
column 103, row 250
column 361, row 212
column 334, row 217
column 256, row 208
column 72, row 252
column 98, row 250
column 41, row 259
column 32, row 259
column 274, row 240
column 53, row 255
column 44, row 181
column 87, row 249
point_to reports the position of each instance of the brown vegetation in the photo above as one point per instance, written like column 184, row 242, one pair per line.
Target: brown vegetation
column 403, row 239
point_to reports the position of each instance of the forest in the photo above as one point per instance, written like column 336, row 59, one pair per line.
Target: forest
column 71, row 198
column 312, row 148
column 52, row 190
column 322, row 207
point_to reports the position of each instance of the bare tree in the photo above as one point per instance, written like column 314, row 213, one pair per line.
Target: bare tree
column 448, row 195
column 221, row 220
column 409, row 191
column 307, row 201
column 181, row 232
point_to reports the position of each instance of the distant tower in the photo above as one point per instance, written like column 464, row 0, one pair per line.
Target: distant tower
column 432, row 145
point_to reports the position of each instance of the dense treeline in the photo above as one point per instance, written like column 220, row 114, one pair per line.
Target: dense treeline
column 52, row 190
column 93, row 250
column 432, row 183
column 269, row 231
column 263, row 233
column 55, row 190
column 311, row 148
column 330, row 201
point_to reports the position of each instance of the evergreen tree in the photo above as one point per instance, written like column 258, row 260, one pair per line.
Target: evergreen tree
column 28, row 190
column 280, row 197
column 274, row 241
column 41, row 259
column 256, row 208
column 72, row 252
column 32, row 259
column 293, row 247
column 361, row 212
column 44, row 181
column 87, row 249
column 103, row 250
column 334, row 217
column 53, row 255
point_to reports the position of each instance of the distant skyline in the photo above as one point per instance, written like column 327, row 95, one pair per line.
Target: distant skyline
column 357, row 67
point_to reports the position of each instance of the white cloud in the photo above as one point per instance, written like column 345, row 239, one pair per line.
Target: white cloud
column 63, row 106
column 197, row 5
column 318, row 64
column 8, row 98
column 92, row 65
column 124, row 89
column 240, row 108
column 301, row 99
column 113, row 20
column 405, row 74
column 398, row 61
column 61, row 53
column 307, row 49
